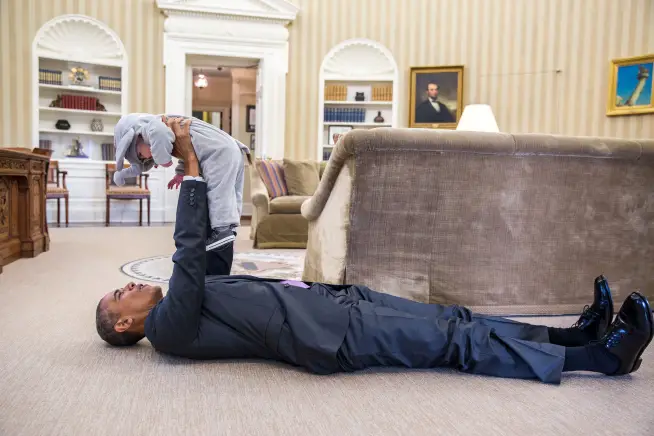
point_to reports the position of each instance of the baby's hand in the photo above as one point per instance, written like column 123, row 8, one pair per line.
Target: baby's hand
column 175, row 181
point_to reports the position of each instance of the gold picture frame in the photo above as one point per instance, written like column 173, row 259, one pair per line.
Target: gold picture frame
column 448, row 81
column 631, row 90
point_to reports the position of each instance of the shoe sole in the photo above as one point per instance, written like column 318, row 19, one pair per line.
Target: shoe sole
column 221, row 242
column 651, row 335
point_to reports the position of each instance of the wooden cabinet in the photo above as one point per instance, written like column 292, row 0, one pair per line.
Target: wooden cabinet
column 23, row 228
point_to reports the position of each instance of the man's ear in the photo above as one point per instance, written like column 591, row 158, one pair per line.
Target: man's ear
column 123, row 324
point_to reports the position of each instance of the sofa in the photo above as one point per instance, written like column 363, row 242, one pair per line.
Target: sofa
column 277, row 222
column 505, row 224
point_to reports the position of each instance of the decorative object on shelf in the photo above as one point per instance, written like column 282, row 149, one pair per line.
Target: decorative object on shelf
column 478, row 118
column 109, row 83
column 108, row 152
column 631, row 90
column 379, row 118
column 382, row 93
column 76, row 150
column 46, row 144
column 78, row 76
column 97, row 125
column 344, row 115
column 250, row 118
column 359, row 96
column 99, row 106
column 49, row 77
column 57, row 102
column 436, row 97
column 335, row 133
column 62, row 125
column 335, row 92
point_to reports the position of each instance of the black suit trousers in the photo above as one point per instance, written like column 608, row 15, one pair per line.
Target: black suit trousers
column 385, row 330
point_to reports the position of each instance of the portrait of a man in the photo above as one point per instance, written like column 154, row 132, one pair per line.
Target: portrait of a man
column 436, row 94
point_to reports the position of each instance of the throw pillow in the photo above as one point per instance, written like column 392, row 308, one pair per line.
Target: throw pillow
column 301, row 177
column 272, row 175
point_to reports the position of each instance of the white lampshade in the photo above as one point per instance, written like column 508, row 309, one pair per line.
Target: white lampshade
column 478, row 118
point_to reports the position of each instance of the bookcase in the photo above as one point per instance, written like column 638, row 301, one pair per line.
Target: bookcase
column 85, row 112
column 358, row 90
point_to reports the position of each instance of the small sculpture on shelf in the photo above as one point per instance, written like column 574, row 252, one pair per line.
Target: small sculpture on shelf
column 379, row 118
column 56, row 102
column 78, row 76
column 97, row 125
column 100, row 107
column 62, row 125
column 76, row 150
column 359, row 96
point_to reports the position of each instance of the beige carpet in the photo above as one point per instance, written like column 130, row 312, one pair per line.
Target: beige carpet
column 57, row 378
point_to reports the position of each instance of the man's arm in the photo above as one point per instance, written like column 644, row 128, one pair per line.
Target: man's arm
column 177, row 317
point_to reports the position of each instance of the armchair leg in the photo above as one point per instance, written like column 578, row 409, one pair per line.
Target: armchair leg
column 107, row 216
column 140, row 212
column 148, row 211
column 66, row 205
column 58, row 212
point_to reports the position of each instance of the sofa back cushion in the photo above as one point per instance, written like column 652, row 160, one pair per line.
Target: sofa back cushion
column 272, row 175
column 302, row 177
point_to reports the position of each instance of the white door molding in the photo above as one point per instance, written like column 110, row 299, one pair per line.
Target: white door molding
column 251, row 29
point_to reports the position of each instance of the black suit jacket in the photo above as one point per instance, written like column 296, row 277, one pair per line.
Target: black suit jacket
column 238, row 316
column 425, row 113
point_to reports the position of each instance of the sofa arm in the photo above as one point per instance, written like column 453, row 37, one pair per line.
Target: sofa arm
column 341, row 154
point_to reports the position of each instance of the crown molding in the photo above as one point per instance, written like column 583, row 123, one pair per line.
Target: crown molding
column 272, row 11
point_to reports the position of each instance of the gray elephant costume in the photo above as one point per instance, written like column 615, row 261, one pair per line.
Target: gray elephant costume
column 220, row 157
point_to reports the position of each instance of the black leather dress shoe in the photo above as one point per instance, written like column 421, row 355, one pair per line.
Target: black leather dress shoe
column 595, row 319
column 630, row 333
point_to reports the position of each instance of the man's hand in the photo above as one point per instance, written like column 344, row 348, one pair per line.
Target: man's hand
column 182, row 147
column 175, row 181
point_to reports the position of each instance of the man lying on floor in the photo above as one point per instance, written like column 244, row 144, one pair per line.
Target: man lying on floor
column 331, row 328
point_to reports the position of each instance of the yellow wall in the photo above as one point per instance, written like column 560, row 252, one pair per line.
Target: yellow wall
column 137, row 22
column 510, row 49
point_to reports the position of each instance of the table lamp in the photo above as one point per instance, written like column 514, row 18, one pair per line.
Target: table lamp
column 478, row 118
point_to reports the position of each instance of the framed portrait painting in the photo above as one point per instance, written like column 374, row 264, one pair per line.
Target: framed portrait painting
column 436, row 97
column 630, row 86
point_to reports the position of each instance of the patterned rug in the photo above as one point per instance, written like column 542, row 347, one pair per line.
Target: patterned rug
column 271, row 265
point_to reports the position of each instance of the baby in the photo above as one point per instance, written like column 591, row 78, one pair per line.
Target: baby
column 145, row 141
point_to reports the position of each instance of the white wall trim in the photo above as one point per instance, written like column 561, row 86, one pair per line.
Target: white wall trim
column 251, row 29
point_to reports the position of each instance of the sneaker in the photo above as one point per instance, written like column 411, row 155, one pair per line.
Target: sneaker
column 219, row 239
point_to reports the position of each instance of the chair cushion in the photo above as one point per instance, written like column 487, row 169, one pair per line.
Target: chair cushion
column 54, row 189
column 302, row 177
column 272, row 175
column 127, row 192
column 287, row 204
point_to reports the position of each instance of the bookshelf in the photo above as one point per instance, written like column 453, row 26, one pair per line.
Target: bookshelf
column 91, row 107
column 358, row 90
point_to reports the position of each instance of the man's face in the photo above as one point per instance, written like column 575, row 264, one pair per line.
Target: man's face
column 432, row 90
column 132, row 300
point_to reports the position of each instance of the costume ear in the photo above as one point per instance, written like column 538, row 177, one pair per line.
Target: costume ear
column 122, row 147
column 123, row 324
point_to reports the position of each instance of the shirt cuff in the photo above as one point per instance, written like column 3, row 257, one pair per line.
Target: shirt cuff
column 197, row 179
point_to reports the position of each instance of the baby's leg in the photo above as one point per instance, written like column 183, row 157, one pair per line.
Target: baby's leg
column 221, row 168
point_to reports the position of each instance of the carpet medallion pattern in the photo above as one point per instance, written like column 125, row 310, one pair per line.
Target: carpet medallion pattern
column 287, row 266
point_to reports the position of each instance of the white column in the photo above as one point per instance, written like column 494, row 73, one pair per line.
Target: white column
column 273, row 107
